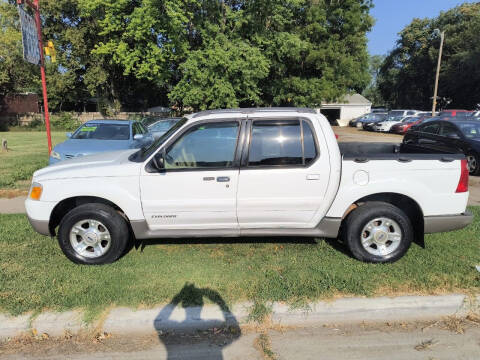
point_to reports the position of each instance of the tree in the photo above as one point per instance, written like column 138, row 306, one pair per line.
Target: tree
column 16, row 75
column 407, row 75
column 130, row 54
column 372, row 92
column 295, row 52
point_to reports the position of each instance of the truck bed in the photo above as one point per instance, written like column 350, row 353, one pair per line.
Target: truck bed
column 363, row 152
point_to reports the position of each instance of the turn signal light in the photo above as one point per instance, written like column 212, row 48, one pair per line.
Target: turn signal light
column 463, row 182
column 36, row 191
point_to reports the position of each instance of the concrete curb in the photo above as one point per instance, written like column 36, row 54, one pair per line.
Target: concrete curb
column 125, row 321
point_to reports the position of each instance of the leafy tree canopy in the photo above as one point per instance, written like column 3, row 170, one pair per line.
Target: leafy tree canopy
column 207, row 53
column 406, row 79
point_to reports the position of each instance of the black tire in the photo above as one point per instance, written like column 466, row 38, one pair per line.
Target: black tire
column 476, row 169
column 113, row 221
column 361, row 216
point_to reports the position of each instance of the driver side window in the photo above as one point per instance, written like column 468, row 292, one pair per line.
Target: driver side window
column 208, row 145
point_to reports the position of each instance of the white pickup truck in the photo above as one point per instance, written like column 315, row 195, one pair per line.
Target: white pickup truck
column 250, row 172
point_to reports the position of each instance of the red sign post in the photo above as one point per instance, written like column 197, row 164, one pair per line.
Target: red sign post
column 36, row 9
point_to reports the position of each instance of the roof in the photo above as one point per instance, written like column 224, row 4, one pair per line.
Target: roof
column 253, row 110
column 350, row 99
column 109, row 121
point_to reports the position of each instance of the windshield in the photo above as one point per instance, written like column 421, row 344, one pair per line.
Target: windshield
column 471, row 130
column 145, row 152
column 100, row 131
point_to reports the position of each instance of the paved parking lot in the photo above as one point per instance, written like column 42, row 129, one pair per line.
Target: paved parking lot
column 347, row 133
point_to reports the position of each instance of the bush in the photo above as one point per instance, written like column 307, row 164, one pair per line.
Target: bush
column 64, row 121
column 58, row 122
column 3, row 125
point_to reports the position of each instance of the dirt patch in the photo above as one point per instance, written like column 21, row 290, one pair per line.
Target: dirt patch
column 12, row 193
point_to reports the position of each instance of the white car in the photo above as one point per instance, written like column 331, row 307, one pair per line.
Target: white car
column 250, row 172
column 403, row 113
column 386, row 125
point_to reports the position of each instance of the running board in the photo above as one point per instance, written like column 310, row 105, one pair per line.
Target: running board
column 327, row 228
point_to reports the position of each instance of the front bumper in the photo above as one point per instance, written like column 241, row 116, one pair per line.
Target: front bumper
column 40, row 226
column 38, row 213
column 435, row 224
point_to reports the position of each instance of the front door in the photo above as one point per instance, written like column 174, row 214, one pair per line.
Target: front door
column 198, row 188
column 284, row 175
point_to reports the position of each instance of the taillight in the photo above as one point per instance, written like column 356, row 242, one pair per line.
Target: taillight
column 463, row 182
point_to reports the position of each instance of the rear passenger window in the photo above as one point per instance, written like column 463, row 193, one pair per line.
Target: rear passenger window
column 280, row 143
column 430, row 128
column 449, row 130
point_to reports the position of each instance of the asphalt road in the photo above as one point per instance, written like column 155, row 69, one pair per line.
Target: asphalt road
column 425, row 341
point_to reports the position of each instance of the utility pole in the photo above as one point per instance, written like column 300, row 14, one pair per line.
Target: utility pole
column 36, row 9
column 435, row 92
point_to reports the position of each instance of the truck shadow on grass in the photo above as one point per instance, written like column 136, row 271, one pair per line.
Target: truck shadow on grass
column 141, row 244
column 181, row 331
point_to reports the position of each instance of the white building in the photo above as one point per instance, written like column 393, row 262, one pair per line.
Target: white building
column 348, row 108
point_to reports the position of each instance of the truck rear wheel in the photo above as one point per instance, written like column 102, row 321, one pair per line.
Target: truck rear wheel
column 93, row 234
column 378, row 232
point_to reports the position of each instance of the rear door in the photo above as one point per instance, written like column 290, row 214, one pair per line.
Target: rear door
column 284, row 175
column 451, row 139
column 424, row 139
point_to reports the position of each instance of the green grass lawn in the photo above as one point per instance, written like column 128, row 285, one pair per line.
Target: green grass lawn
column 28, row 152
column 35, row 275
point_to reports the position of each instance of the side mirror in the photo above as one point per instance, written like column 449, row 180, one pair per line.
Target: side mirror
column 68, row 135
column 158, row 162
column 138, row 137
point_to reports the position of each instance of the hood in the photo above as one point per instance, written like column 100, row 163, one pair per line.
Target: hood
column 88, row 146
column 113, row 163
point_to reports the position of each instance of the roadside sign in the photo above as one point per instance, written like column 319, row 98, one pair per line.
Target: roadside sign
column 31, row 50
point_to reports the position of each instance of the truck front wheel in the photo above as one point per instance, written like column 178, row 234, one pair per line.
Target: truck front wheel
column 378, row 232
column 93, row 234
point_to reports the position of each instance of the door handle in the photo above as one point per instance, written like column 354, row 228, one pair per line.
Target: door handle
column 313, row 177
column 209, row 178
column 223, row 179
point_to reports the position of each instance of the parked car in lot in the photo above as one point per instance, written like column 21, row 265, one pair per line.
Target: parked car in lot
column 387, row 123
column 369, row 125
column 161, row 126
column 404, row 126
column 404, row 113
column 447, row 136
column 371, row 117
column 453, row 112
column 250, row 172
column 100, row 136
column 379, row 110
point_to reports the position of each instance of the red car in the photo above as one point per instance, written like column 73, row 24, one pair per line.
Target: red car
column 452, row 112
column 403, row 127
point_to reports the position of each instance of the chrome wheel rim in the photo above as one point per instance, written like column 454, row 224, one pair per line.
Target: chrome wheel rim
column 381, row 236
column 90, row 238
column 471, row 163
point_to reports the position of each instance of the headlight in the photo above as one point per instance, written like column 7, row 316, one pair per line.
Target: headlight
column 35, row 191
column 55, row 155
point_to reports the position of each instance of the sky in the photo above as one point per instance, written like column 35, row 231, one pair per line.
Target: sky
column 393, row 15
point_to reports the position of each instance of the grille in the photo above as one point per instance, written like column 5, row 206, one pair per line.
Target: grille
column 69, row 156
